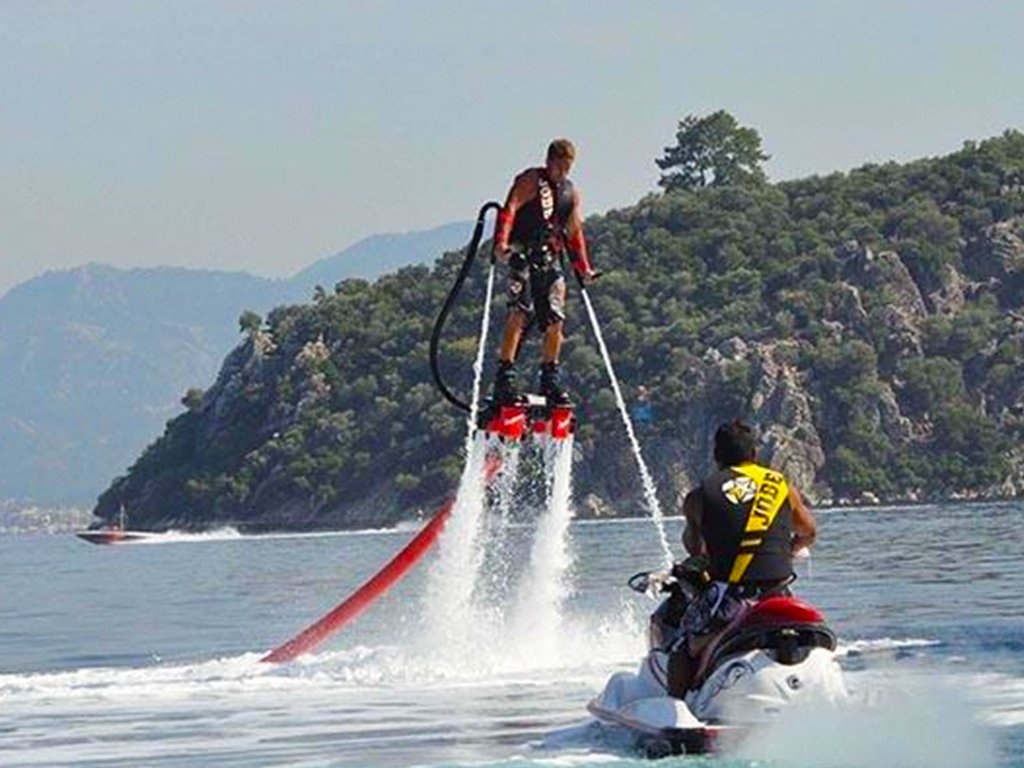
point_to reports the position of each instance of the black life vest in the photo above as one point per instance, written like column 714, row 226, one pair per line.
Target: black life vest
column 543, row 220
column 747, row 524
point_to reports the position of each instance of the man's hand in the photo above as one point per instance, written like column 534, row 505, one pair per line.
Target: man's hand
column 660, row 581
column 587, row 276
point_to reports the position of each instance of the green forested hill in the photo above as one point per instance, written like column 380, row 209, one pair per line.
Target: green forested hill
column 871, row 323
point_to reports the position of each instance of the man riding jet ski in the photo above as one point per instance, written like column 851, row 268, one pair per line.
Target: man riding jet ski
column 730, row 646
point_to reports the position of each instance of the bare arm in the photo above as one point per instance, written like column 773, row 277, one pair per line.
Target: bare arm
column 693, row 535
column 805, row 528
column 575, row 223
column 578, row 243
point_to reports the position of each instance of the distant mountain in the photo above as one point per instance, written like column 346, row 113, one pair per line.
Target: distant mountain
column 379, row 254
column 94, row 360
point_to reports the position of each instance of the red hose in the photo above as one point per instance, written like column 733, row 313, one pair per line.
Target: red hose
column 385, row 578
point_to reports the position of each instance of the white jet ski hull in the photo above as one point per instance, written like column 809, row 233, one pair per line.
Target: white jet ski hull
column 745, row 690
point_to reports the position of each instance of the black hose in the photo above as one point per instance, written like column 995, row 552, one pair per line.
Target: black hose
column 435, row 337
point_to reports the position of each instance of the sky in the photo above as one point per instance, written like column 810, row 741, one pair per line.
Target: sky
column 263, row 135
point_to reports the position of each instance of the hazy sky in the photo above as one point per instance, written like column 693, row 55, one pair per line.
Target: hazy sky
column 265, row 135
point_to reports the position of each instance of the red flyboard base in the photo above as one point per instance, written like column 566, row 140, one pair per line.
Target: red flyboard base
column 386, row 577
column 513, row 422
column 560, row 423
column 509, row 421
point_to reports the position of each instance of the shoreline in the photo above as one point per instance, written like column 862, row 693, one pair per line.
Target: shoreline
column 412, row 524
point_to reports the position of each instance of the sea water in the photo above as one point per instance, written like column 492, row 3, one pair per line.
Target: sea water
column 148, row 654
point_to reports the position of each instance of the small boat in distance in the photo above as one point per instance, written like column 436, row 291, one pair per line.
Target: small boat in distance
column 112, row 533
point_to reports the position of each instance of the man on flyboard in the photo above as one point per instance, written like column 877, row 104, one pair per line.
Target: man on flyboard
column 539, row 223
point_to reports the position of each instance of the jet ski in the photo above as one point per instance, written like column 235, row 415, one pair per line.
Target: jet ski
column 774, row 653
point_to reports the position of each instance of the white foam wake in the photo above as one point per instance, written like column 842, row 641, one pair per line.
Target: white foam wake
column 909, row 719
column 882, row 645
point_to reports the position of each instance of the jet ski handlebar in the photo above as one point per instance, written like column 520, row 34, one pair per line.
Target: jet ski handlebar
column 652, row 582
column 689, row 576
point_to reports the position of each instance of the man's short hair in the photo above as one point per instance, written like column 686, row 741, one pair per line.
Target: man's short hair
column 561, row 149
column 735, row 443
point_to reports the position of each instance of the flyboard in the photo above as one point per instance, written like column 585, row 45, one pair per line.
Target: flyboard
column 532, row 414
column 502, row 424
column 505, row 423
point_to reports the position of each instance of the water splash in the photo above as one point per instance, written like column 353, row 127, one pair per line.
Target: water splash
column 499, row 563
column 477, row 589
column 542, row 594
column 912, row 720
column 650, row 491
column 452, row 580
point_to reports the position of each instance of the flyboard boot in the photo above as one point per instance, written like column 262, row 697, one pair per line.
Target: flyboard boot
column 558, row 418
column 551, row 388
column 510, row 414
column 505, row 391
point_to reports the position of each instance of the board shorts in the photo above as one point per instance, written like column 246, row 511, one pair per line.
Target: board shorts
column 536, row 287
column 713, row 609
column 719, row 605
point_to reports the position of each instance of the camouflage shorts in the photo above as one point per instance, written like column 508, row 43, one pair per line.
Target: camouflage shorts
column 538, row 291
column 713, row 609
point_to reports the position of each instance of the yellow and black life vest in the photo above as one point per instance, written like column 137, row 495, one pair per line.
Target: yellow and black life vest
column 747, row 525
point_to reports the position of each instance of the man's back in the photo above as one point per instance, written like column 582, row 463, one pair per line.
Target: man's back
column 747, row 524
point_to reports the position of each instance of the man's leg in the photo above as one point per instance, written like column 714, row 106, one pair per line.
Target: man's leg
column 505, row 390
column 681, row 669
column 684, row 663
column 554, row 320
column 515, row 324
column 520, row 309
column 553, row 341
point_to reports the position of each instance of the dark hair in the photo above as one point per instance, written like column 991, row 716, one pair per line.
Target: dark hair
column 735, row 443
